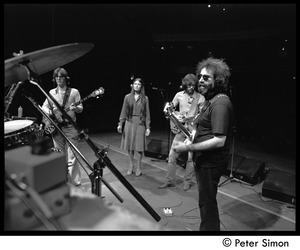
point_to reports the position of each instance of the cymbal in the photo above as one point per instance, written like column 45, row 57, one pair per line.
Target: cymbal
column 42, row 61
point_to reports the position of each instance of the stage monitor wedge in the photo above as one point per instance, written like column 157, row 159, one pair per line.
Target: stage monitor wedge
column 157, row 149
column 280, row 186
column 250, row 171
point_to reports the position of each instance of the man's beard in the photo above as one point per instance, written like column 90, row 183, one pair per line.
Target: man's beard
column 208, row 92
column 190, row 90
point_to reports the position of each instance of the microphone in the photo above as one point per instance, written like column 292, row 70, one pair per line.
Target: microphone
column 156, row 88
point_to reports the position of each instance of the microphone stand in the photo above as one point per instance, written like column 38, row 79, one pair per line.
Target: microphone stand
column 102, row 161
column 231, row 177
column 165, row 99
column 94, row 177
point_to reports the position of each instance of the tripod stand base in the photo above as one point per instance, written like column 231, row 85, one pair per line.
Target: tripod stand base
column 233, row 179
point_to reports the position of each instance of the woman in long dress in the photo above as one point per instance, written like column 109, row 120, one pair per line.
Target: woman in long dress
column 136, row 115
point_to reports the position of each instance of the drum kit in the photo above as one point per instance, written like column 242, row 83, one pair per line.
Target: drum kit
column 21, row 131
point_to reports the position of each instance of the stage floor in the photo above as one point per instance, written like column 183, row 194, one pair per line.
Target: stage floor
column 241, row 206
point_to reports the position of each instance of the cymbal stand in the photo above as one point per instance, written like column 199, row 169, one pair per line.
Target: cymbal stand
column 9, row 97
column 100, row 154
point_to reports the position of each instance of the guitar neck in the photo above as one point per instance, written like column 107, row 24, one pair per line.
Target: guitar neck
column 81, row 101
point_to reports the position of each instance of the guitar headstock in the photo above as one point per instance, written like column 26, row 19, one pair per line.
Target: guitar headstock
column 169, row 108
column 98, row 92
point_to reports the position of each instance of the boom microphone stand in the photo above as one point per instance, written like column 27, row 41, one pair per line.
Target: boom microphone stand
column 98, row 178
column 102, row 161
column 165, row 99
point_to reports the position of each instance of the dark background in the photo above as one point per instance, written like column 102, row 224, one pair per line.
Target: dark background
column 161, row 43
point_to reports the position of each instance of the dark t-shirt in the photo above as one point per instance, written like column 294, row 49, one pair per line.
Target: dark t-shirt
column 215, row 119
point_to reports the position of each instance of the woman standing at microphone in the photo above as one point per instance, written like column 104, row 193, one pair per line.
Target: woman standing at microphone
column 136, row 115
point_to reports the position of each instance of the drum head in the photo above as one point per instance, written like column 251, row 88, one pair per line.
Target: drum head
column 13, row 126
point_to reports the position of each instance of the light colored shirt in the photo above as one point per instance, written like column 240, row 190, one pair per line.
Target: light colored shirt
column 188, row 105
column 59, row 97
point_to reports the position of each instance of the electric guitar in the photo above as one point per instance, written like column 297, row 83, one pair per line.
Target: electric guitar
column 179, row 123
column 49, row 128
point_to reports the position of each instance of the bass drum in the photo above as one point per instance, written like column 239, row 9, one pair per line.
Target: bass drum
column 19, row 132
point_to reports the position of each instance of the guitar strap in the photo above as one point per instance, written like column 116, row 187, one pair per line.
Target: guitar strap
column 206, row 105
column 66, row 97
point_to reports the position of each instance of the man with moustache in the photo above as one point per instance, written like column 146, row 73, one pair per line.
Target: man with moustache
column 189, row 102
column 213, row 138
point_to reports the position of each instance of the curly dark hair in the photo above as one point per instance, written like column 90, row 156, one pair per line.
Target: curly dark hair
column 220, row 70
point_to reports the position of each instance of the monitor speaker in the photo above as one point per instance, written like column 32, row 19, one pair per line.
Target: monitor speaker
column 280, row 186
column 157, row 149
column 250, row 171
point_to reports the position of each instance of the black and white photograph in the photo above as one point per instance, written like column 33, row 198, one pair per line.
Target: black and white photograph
column 150, row 119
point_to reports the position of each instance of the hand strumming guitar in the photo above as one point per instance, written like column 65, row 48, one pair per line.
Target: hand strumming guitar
column 181, row 146
column 57, row 114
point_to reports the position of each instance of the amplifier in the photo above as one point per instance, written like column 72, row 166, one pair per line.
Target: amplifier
column 40, row 172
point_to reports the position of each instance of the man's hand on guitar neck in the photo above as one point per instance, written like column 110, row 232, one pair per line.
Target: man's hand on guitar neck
column 74, row 108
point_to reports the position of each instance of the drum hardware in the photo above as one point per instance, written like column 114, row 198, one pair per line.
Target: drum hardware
column 42, row 61
column 18, row 132
column 11, row 94
column 20, row 68
column 38, row 131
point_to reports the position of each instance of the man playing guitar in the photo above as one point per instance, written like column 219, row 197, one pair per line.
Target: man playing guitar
column 189, row 101
column 66, row 97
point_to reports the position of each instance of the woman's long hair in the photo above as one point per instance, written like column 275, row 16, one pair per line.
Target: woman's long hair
column 142, row 97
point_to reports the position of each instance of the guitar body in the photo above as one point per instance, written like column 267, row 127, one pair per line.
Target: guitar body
column 175, row 130
column 186, row 122
column 179, row 123
column 49, row 128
